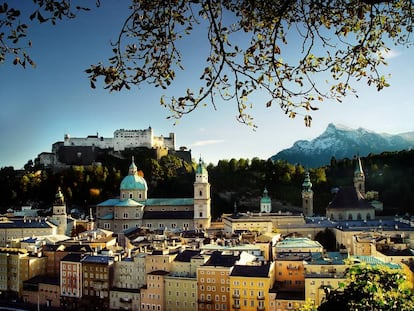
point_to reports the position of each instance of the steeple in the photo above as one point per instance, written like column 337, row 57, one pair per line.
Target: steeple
column 133, row 168
column 307, row 196
column 359, row 177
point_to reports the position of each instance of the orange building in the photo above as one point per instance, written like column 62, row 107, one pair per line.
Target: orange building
column 152, row 295
column 289, row 270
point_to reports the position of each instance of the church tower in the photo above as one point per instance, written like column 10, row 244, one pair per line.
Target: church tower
column 202, row 200
column 59, row 216
column 307, row 196
column 359, row 177
column 265, row 203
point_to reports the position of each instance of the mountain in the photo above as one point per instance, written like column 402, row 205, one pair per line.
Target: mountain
column 343, row 142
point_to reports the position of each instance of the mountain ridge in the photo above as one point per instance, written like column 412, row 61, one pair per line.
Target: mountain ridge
column 340, row 141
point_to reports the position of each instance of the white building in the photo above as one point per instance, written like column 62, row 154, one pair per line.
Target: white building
column 123, row 139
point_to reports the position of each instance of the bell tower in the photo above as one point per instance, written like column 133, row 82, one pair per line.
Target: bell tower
column 202, row 199
column 59, row 216
column 307, row 196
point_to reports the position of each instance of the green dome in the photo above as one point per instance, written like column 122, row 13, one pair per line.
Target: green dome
column 134, row 182
column 265, row 198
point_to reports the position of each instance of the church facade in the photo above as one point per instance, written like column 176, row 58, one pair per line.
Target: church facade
column 350, row 203
column 134, row 209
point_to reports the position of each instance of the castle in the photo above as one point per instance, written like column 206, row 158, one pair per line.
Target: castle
column 124, row 139
column 86, row 151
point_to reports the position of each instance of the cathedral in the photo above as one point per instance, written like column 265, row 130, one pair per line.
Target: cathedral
column 134, row 209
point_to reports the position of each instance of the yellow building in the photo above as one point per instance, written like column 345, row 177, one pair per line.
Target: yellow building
column 17, row 266
column 159, row 260
column 323, row 270
column 180, row 293
column 250, row 285
column 130, row 272
column 181, row 283
column 214, row 283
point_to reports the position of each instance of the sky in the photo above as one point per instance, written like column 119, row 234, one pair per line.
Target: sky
column 39, row 106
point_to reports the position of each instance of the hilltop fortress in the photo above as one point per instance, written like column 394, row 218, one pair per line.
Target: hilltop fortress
column 84, row 151
column 124, row 139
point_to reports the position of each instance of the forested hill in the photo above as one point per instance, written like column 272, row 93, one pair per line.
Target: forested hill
column 232, row 181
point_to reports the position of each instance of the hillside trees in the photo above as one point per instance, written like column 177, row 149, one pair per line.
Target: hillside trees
column 248, row 44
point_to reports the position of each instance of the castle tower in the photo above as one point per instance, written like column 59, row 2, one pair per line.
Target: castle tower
column 359, row 177
column 202, row 200
column 265, row 203
column 307, row 196
column 59, row 216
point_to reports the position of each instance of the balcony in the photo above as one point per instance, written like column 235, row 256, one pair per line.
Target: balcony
column 236, row 306
column 261, row 308
column 260, row 297
column 236, row 296
column 292, row 267
column 125, row 299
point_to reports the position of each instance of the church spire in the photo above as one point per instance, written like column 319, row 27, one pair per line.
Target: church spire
column 359, row 177
column 307, row 196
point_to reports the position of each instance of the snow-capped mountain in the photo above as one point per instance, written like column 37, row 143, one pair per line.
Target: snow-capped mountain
column 342, row 142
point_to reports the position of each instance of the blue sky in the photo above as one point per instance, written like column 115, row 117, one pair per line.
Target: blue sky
column 40, row 105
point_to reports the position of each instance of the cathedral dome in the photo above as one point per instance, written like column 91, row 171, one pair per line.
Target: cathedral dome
column 133, row 181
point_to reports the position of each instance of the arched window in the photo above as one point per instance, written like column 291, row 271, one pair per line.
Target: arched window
column 359, row 217
column 340, row 216
column 350, row 217
column 368, row 216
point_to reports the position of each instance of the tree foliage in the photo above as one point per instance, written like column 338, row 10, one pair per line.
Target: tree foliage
column 371, row 288
column 338, row 41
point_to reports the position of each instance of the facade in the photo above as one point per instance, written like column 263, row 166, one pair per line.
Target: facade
column 14, row 229
column 134, row 209
column 17, row 266
column 152, row 295
column 249, row 287
column 322, row 271
column 213, row 282
column 97, row 273
column 71, row 282
column 124, row 139
column 42, row 291
column 289, row 270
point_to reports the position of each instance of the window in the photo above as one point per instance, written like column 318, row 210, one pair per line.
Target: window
column 107, row 225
